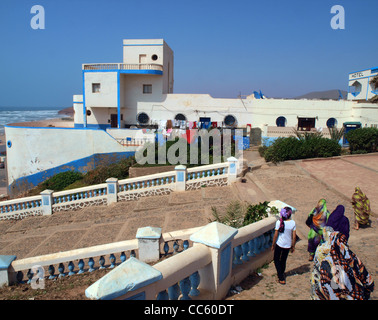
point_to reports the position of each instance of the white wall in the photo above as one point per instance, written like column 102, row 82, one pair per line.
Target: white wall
column 107, row 97
column 35, row 150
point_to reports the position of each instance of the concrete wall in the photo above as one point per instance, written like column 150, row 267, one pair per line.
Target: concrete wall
column 38, row 153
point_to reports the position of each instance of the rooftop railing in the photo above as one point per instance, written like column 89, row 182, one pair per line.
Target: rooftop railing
column 122, row 66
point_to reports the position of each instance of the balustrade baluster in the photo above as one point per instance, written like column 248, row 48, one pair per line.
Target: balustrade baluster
column 163, row 295
column 245, row 249
column 123, row 257
column 91, row 264
column 81, row 266
column 174, row 292
column 237, row 255
column 166, row 248
column 251, row 244
column 101, row 261
column 185, row 244
column 61, row 270
column 195, row 281
column 51, row 271
column 132, row 254
column 71, row 268
column 112, row 261
column 185, row 288
column 175, row 247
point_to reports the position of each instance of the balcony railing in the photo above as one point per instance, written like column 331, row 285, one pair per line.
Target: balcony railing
column 122, row 66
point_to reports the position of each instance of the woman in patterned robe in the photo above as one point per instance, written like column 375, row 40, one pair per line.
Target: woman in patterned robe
column 361, row 206
column 338, row 273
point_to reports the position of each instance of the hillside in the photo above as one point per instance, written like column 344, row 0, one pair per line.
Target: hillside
column 324, row 95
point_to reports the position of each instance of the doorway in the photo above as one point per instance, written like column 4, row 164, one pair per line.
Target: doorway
column 114, row 120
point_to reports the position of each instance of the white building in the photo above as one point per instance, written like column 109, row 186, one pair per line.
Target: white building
column 359, row 87
column 119, row 98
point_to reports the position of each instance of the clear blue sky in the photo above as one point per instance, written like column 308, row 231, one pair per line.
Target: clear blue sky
column 285, row 48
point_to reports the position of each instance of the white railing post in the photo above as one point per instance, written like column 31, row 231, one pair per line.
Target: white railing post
column 47, row 202
column 216, row 277
column 180, row 178
column 149, row 244
column 112, row 190
column 232, row 169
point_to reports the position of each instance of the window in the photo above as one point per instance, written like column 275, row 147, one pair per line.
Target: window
column 143, row 118
column 154, row 57
column 229, row 120
column 355, row 88
column 306, row 124
column 331, row 123
column 281, row 122
column 180, row 117
column 147, row 88
column 96, row 87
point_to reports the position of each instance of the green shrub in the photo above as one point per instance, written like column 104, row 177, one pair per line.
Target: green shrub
column 307, row 146
column 283, row 149
column 61, row 180
column 363, row 140
column 119, row 170
column 239, row 214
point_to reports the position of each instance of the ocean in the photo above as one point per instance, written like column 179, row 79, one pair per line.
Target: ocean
column 24, row 114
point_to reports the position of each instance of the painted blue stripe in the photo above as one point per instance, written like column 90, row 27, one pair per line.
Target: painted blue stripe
column 78, row 102
column 82, row 165
column 78, row 126
column 98, row 126
column 158, row 72
column 364, row 70
column 118, row 100
column 84, row 104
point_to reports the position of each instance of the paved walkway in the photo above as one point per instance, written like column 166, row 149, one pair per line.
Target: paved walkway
column 298, row 183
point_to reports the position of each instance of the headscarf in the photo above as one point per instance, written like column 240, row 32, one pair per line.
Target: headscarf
column 285, row 214
column 361, row 205
column 320, row 214
column 338, row 221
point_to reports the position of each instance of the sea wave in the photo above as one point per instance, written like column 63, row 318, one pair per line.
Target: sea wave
column 24, row 114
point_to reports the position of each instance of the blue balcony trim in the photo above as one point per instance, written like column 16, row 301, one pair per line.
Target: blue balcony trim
column 157, row 72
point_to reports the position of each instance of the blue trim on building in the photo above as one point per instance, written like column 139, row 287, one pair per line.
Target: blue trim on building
column 364, row 70
column 118, row 100
column 82, row 165
column 84, row 105
column 157, row 72
column 92, row 126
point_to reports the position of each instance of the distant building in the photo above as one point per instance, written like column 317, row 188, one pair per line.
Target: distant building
column 359, row 87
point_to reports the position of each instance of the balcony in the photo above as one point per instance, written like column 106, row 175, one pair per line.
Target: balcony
column 142, row 68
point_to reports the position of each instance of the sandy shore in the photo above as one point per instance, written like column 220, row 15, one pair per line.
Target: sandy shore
column 58, row 123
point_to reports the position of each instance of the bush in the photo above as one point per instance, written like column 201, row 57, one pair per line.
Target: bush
column 238, row 214
column 119, row 170
column 308, row 146
column 61, row 180
column 283, row 149
column 363, row 140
